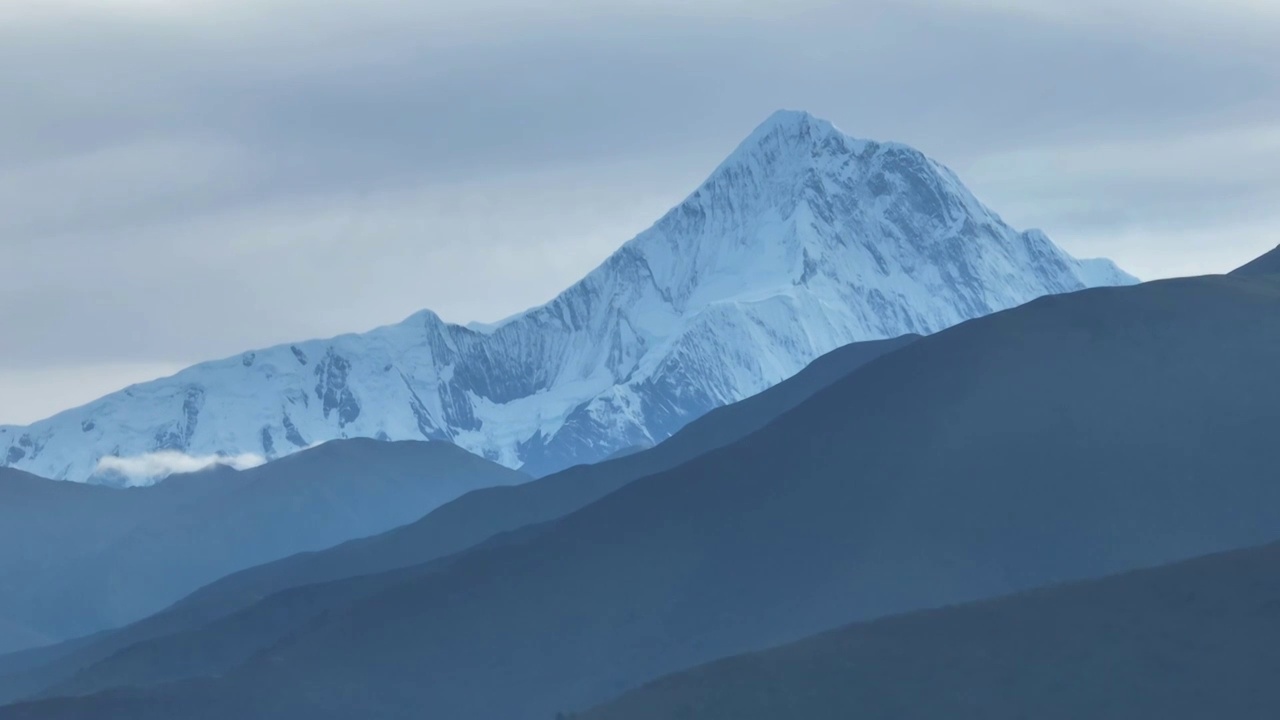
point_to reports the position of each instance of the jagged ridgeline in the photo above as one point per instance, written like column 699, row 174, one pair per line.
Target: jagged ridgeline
column 803, row 240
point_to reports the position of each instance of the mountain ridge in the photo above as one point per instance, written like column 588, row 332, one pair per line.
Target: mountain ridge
column 76, row 559
column 1189, row 640
column 801, row 241
column 1072, row 437
column 223, row 608
column 1266, row 264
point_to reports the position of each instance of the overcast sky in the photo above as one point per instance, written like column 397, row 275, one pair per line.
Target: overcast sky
column 186, row 179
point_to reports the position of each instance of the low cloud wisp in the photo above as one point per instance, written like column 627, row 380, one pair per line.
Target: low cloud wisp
column 150, row 468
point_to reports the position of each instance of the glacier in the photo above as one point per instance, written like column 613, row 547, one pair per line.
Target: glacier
column 804, row 239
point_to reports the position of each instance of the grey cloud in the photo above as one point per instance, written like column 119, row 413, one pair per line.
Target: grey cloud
column 185, row 180
column 959, row 78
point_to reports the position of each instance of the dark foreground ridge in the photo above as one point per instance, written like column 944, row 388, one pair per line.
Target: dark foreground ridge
column 1074, row 437
column 1199, row 639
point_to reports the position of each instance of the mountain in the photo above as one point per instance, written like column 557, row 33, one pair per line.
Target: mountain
column 1073, row 437
column 46, row 526
column 222, row 624
column 141, row 549
column 1194, row 640
column 803, row 240
column 1268, row 264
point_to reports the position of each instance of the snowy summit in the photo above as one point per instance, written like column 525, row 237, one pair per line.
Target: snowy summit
column 802, row 240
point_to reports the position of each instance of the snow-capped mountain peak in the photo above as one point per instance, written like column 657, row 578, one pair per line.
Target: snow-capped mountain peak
column 802, row 240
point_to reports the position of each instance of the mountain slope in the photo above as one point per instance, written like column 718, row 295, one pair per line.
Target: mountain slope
column 174, row 537
column 489, row 511
column 1073, row 437
column 1194, row 640
column 803, row 240
column 1268, row 264
column 46, row 525
column 196, row 636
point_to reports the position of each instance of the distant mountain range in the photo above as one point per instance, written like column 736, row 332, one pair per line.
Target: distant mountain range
column 802, row 241
column 1073, row 437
